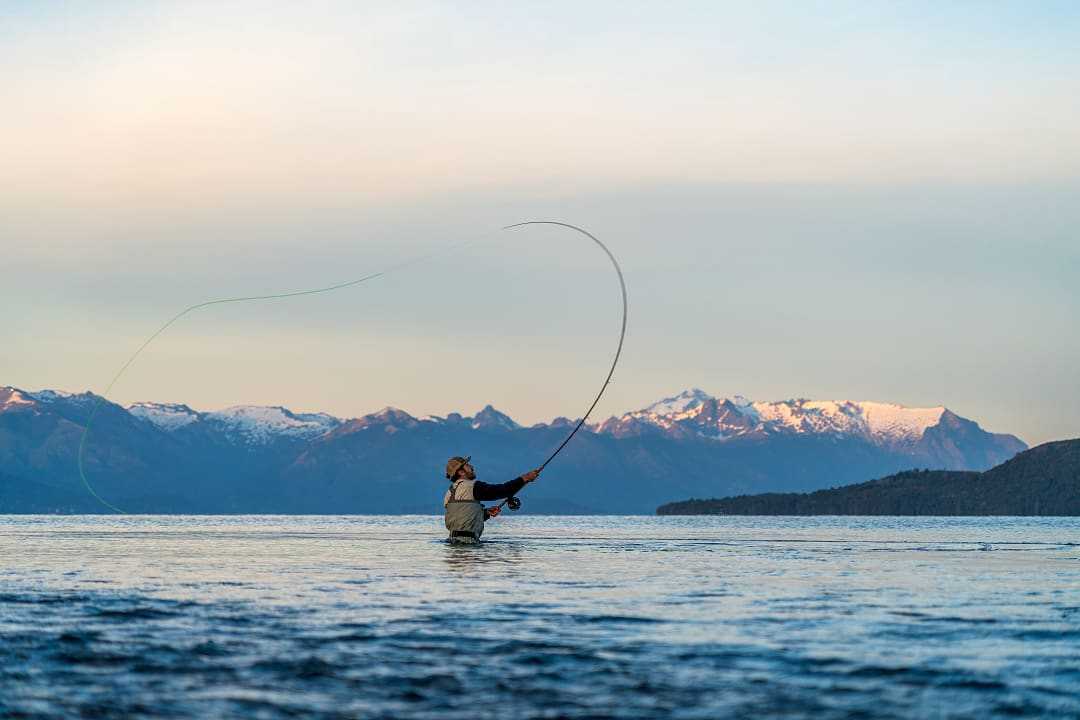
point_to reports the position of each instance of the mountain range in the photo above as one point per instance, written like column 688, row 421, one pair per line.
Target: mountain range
column 160, row 457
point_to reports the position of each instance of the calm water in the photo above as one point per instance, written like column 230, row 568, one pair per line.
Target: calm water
column 553, row 617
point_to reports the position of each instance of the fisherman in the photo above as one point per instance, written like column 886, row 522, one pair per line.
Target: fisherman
column 465, row 515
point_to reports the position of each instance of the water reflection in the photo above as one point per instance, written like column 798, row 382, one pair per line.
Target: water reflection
column 486, row 555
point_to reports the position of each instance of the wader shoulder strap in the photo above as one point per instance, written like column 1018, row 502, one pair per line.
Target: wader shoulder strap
column 453, row 494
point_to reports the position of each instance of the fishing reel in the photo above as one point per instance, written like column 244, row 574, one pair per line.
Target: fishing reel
column 513, row 503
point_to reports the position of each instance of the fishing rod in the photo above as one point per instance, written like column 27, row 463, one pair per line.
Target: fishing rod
column 513, row 502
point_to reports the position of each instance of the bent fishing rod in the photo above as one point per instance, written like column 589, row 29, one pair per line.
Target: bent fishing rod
column 513, row 502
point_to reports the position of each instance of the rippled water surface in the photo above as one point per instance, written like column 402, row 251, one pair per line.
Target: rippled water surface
column 197, row 617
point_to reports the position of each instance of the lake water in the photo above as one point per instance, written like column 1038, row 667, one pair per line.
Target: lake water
column 584, row 617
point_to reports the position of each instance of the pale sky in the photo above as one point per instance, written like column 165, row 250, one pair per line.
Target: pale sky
column 836, row 200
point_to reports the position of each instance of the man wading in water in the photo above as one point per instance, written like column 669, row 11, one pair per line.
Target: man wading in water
column 465, row 515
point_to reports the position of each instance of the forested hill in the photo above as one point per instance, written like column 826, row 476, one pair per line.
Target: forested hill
column 1042, row 481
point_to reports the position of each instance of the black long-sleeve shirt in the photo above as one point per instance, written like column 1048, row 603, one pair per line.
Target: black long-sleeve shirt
column 485, row 491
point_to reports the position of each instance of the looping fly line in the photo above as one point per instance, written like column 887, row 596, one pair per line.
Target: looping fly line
column 341, row 286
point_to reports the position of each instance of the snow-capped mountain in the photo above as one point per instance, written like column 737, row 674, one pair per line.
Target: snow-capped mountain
column 161, row 457
column 253, row 423
column 690, row 414
column 11, row 397
column 261, row 424
column 491, row 419
column 696, row 413
column 166, row 416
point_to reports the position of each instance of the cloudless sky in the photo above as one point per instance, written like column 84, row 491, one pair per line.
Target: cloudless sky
column 842, row 200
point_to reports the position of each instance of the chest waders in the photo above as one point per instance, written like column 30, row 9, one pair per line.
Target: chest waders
column 464, row 514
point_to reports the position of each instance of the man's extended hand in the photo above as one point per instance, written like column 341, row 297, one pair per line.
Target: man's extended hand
column 531, row 475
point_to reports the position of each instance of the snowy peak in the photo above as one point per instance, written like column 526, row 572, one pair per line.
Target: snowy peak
column 899, row 421
column 260, row 424
column 391, row 420
column 166, row 416
column 14, row 399
column 250, row 423
column 49, row 396
column 886, row 422
column 695, row 413
column 690, row 413
column 392, row 415
column 491, row 419
column 685, row 402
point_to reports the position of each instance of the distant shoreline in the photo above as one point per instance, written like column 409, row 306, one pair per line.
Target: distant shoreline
column 1041, row 482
